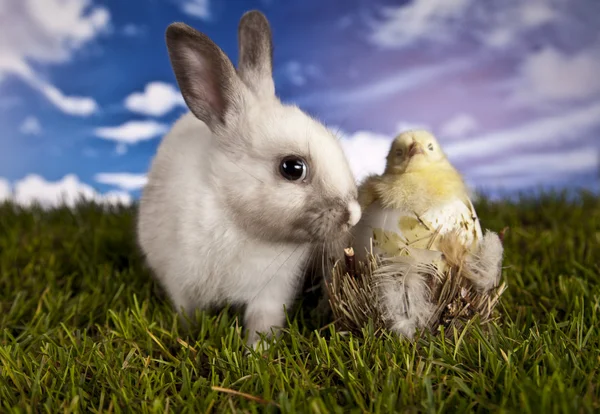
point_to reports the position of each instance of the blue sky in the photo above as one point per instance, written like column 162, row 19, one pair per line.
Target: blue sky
column 511, row 88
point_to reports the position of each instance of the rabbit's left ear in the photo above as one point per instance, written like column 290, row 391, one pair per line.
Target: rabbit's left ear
column 205, row 75
column 255, row 66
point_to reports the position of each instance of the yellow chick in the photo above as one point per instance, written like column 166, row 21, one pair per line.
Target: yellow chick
column 419, row 194
column 419, row 198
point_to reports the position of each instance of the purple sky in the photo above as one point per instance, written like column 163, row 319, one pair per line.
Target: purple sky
column 510, row 87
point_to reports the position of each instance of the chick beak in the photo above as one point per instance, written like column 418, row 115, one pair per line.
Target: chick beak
column 415, row 149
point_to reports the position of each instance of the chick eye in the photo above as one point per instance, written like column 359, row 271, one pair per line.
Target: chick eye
column 399, row 152
column 430, row 146
column 293, row 168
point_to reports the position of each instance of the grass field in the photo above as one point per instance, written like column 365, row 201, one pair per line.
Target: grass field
column 84, row 328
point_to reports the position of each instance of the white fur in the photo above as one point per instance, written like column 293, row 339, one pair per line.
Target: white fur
column 216, row 220
column 355, row 213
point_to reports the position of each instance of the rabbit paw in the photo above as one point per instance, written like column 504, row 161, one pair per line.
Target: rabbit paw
column 262, row 316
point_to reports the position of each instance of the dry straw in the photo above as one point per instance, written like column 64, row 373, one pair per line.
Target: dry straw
column 356, row 300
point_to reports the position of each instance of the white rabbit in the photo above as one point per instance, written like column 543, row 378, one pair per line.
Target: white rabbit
column 243, row 188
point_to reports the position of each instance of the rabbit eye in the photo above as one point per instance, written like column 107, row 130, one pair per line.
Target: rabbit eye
column 430, row 146
column 293, row 168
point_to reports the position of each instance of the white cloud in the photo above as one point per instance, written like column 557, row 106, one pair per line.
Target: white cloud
column 30, row 126
column 125, row 181
column 442, row 21
column 578, row 160
column 400, row 26
column 121, row 149
column 48, row 32
column 406, row 126
column 132, row 132
column 535, row 180
column 517, row 162
column 386, row 86
column 71, row 105
column 68, row 191
column 366, row 152
column 196, row 8
column 298, row 74
column 459, row 126
column 5, row 190
column 540, row 133
column 550, row 75
column 502, row 28
column 157, row 99
column 133, row 30
column 403, row 81
column 535, row 13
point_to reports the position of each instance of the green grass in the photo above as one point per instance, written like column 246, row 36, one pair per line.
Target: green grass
column 84, row 328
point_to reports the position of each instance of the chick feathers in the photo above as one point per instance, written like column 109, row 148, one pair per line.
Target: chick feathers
column 420, row 192
column 407, row 213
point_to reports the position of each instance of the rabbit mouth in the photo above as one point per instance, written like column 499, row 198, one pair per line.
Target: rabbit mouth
column 323, row 225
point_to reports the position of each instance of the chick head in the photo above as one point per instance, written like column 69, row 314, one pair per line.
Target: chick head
column 412, row 151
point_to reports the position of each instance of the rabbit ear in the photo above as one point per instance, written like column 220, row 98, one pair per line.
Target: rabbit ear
column 255, row 65
column 205, row 75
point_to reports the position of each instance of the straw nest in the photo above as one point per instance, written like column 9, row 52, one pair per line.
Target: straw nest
column 410, row 292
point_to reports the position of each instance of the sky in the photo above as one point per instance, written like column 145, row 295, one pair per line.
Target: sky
column 511, row 88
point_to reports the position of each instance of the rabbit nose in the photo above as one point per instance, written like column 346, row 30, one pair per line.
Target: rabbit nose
column 354, row 213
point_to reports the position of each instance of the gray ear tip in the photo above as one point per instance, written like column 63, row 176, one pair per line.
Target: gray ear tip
column 177, row 30
column 254, row 18
column 177, row 27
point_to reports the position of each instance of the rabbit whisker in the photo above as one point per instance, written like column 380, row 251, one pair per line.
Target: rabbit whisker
column 278, row 269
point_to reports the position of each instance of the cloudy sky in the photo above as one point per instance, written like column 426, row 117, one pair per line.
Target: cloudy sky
column 511, row 88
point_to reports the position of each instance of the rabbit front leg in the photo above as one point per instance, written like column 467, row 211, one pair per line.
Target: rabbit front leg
column 266, row 310
column 263, row 314
column 183, row 305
